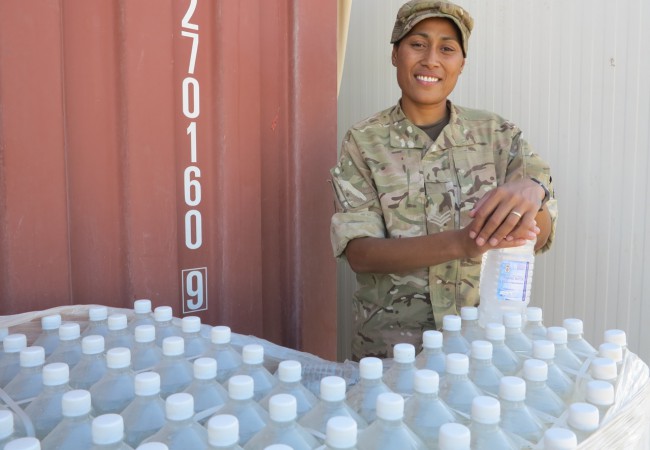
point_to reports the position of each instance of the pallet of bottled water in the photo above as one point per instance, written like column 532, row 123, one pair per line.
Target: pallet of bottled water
column 93, row 377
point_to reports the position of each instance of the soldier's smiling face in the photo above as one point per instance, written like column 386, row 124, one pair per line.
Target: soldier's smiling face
column 428, row 60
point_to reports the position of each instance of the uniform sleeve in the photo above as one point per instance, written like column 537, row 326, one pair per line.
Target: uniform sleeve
column 358, row 211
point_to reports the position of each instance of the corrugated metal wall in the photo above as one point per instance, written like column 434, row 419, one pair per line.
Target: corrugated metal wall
column 175, row 150
column 574, row 76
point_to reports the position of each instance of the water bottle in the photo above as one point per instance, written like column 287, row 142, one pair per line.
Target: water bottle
column 615, row 336
column 145, row 415
column 107, row 433
column 28, row 383
column 601, row 395
column 145, row 354
column 10, row 363
column 613, row 352
column 69, row 349
column 251, row 416
column 97, row 321
column 24, row 443
column 118, row 332
column 341, row 434
column 557, row 379
column 454, row 436
column 604, row 369
column 141, row 314
column 482, row 372
column 332, row 403
column 506, row 282
column 559, row 439
column 49, row 337
column 534, row 327
column 163, row 316
column 4, row 332
column 74, row 430
column 576, row 343
column 205, row 389
column 470, row 328
column 45, row 410
column 195, row 344
column 115, row 390
column 92, row 365
column 564, row 357
column 228, row 360
column 399, row 377
column 583, row 420
column 282, row 427
column 538, row 395
column 431, row 357
column 424, row 412
column 502, row 357
column 389, row 432
column 181, row 431
column 223, row 432
column 175, row 371
column 516, row 418
column 7, row 433
column 515, row 339
column 456, row 389
column 362, row 397
column 253, row 366
column 486, row 434
column 452, row 340
column 289, row 376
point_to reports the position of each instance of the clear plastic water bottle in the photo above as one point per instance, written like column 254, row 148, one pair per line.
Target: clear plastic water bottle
column 502, row 357
column 332, row 403
column 175, row 371
column 290, row 376
column 516, row 418
column 454, row 436
column 228, row 359
column 615, row 336
column 6, row 427
column 223, row 432
column 470, row 328
column 163, row 316
column 482, row 372
column 538, row 395
column 10, row 363
column 145, row 354
column 195, row 344
column 282, row 427
column 601, row 395
column 251, row 416
column 141, row 314
column 362, row 397
column 534, row 327
column 515, row 339
column 400, row 376
column 92, row 365
column 564, row 357
column 23, row 443
column 4, row 332
column 613, row 352
column 181, row 431
column 253, row 366
column 107, row 433
column 119, row 334
column 431, row 357
column 341, row 434
column 583, row 420
column 116, row 389
column 424, row 412
column 575, row 341
column 145, row 415
column 456, row 389
column 557, row 438
column 486, row 434
column 604, row 369
column 69, row 349
column 389, row 432
column 45, row 410
column 97, row 322
column 28, row 383
column 206, row 390
column 49, row 337
column 557, row 379
column 74, row 430
column 452, row 340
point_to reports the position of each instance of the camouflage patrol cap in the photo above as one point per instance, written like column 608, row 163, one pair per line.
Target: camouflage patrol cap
column 415, row 11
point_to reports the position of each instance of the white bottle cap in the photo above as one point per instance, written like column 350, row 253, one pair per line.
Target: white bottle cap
column 535, row 370
column 283, row 408
column 451, row 322
column 252, row 354
column 75, row 403
column 278, row 447
column 145, row 333
column 191, row 324
column 512, row 320
column 600, row 393
column 583, row 416
column 486, row 410
column 162, row 313
column 92, row 344
column 543, row 349
column 152, row 446
column 55, row 374
column 559, row 439
column 603, row 369
column 290, row 371
column 534, row 314
column 404, row 353
column 616, row 337
column 118, row 358
column 97, row 313
column 468, row 313
column 6, row 423
column 557, row 335
column 179, row 406
column 107, row 429
column 173, row 346
column 32, row 356
column 611, row 351
column 117, row 322
column 51, row 322
column 24, row 443
column 512, row 389
column 220, row 334
column 223, row 430
column 426, row 381
column 205, row 368
column 69, row 331
column 457, row 364
column 432, row 339
column 332, row 389
column 341, row 432
column 14, row 343
column 495, row 332
column 573, row 326
column 147, row 383
column 240, row 387
column 371, row 368
column 454, row 436
column 142, row 306
column 390, row 406
column 481, row 349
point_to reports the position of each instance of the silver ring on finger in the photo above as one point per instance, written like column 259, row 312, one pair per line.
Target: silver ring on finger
column 518, row 214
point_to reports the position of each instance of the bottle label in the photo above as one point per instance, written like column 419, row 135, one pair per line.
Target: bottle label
column 513, row 281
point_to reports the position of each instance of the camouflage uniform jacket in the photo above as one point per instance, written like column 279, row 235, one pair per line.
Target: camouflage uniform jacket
column 393, row 181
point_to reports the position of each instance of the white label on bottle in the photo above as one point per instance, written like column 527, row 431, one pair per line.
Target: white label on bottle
column 513, row 281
